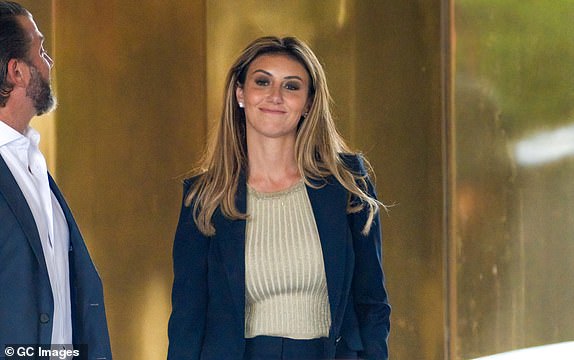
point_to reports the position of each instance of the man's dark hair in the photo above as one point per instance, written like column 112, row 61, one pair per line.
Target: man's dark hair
column 14, row 43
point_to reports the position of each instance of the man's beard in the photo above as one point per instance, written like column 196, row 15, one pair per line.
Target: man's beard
column 40, row 91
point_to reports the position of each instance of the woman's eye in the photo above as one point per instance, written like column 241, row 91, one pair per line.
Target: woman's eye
column 292, row 86
column 261, row 82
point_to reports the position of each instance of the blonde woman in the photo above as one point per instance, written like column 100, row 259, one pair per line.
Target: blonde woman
column 277, row 253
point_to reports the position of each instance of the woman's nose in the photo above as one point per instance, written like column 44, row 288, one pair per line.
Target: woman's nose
column 275, row 94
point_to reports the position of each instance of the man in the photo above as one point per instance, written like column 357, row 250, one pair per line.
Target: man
column 50, row 291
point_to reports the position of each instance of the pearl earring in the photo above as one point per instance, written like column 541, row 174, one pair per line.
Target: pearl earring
column 241, row 105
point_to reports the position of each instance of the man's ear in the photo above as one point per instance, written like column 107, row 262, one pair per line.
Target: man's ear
column 16, row 71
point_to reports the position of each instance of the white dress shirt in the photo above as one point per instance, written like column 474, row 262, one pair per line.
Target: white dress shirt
column 28, row 166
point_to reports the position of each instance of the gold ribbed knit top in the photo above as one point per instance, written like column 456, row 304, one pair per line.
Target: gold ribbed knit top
column 286, row 288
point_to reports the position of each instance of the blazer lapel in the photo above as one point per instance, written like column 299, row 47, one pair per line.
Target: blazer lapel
column 73, row 228
column 331, row 221
column 230, row 237
column 17, row 202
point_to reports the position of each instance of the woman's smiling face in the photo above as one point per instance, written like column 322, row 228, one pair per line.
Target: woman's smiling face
column 275, row 95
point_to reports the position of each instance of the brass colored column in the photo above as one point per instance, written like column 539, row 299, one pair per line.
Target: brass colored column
column 398, row 123
column 131, row 121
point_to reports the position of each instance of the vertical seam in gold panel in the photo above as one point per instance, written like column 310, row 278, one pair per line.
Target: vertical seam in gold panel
column 449, row 243
column 204, row 87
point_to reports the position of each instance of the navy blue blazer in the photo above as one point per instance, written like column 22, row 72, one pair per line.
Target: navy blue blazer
column 26, row 302
column 208, row 295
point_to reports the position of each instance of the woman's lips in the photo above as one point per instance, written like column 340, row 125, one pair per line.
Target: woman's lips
column 272, row 111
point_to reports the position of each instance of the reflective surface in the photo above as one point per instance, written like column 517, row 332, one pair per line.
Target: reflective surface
column 513, row 195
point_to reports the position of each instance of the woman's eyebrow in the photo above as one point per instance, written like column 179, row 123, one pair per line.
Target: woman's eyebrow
column 286, row 77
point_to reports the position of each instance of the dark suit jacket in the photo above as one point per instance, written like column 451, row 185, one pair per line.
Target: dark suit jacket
column 208, row 296
column 26, row 302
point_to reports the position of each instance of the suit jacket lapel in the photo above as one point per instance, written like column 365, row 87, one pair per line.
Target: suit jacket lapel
column 230, row 237
column 73, row 228
column 17, row 202
column 331, row 223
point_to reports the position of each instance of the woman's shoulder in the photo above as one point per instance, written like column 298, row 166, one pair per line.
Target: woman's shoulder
column 190, row 183
column 354, row 162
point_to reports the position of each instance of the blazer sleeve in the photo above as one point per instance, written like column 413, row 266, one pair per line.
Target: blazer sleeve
column 368, row 285
column 189, row 292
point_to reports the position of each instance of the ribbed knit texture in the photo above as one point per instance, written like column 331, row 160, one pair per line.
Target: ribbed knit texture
column 286, row 289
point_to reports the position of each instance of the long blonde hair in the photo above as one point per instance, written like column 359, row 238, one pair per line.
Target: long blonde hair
column 318, row 146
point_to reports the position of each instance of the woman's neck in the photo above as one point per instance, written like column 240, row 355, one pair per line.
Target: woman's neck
column 272, row 165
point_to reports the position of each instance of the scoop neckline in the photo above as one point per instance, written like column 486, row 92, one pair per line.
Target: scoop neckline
column 295, row 187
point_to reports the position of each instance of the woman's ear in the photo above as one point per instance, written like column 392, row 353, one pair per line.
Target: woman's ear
column 239, row 95
column 307, row 107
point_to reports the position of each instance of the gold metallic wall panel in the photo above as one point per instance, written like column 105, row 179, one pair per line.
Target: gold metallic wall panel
column 131, row 120
column 398, row 123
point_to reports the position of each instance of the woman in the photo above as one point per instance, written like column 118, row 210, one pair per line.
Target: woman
column 277, row 253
